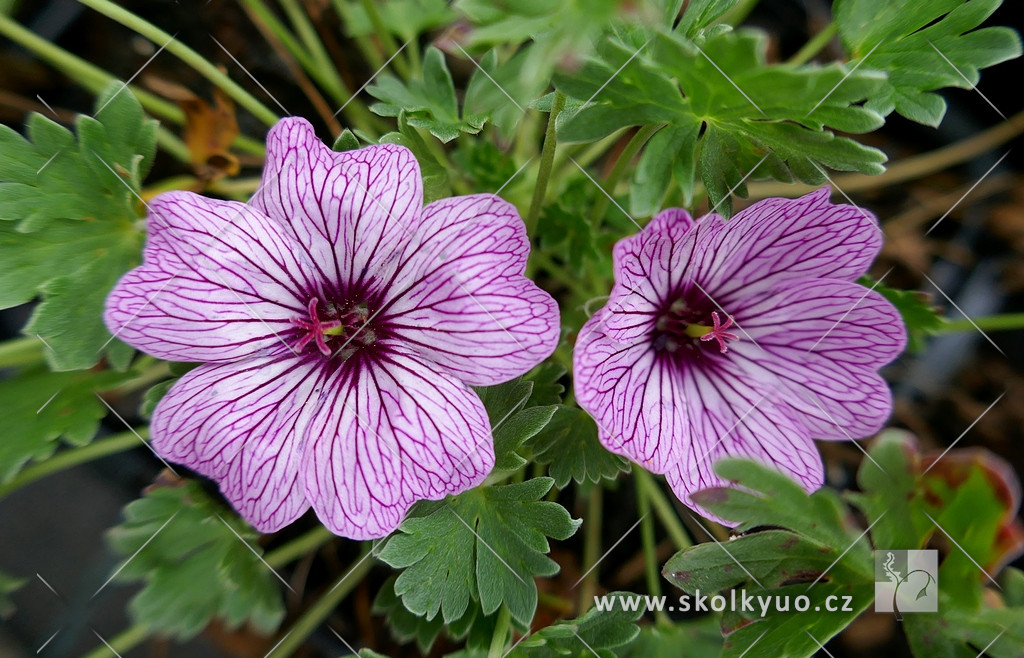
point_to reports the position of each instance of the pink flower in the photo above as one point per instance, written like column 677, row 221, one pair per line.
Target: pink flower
column 745, row 338
column 341, row 324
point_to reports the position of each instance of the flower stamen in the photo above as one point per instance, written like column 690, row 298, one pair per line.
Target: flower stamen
column 317, row 329
column 719, row 333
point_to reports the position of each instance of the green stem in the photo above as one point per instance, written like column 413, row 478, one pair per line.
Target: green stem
column 500, row 638
column 663, row 509
column 1004, row 322
column 814, row 45
column 591, row 548
column 324, row 606
column 122, row 642
column 158, row 371
column 298, row 547
column 372, row 54
column 738, row 13
column 88, row 75
column 185, row 54
column 615, row 175
column 73, row 457
column 173, row 145
column 547, row 159
column 322, row 68
column 386, row 40
column 21, row 352
column 643, row 504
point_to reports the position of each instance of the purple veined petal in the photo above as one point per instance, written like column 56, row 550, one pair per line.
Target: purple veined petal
column 635, row 397
column 461, row 299
column 353, row 212
column 778, row 239
column 219, row 282
column 644, row 273
column 822, row 341
column 734, row 415
column 242, row 425
column 386, row 434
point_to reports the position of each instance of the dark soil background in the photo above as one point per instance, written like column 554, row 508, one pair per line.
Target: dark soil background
column 53, row 529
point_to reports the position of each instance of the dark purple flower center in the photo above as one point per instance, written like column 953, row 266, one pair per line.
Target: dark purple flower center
column 337, row 330
column 686, row 326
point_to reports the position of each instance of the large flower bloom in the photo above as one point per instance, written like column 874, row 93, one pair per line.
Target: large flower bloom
column 340, row 324
column 745, row 338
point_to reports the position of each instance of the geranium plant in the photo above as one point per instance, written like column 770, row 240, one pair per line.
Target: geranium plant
column 509, row 293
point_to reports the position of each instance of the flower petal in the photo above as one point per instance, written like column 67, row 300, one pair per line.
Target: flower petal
column 242, row 424
column 778, row 239
column 646, row 265
column 634, row 396
column 734, row 415
column 822, row 341
column 462, row 300
column 219, row 282
column 387, row 433
column 352, row 212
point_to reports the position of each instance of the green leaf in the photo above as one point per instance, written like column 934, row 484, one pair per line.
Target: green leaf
column 922, row 46
column 346, row 141
column 772, row 557
column 596, row 632
column 794, row 633
column 68, row 215
column 700, row 637
column 569, row 444
column 653, row 174
column 512, row 424
column 921, row 318
column 403, row 18
column 198, row 561
column 406, row 626
column 956, row 632
column 41, row 408
column 428, row 102
column 435, row 177
column 485, row 545
column 700, row 14
column 889, row 486
column 770, row 498
column 741, row 116
column 153, row 395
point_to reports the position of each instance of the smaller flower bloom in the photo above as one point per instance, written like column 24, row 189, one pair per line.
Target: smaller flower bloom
column 340, row 324
column 746, row 338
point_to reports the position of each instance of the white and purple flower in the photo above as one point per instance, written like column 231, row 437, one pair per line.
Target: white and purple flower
column 746, row 338
column 340, row 324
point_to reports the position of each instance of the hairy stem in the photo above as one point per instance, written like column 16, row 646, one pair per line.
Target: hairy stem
column 185, row 54
column 591, row 548
column 643, row 504
column 298, row 547
column 386, row 40
column 1003, row 322
column 21, row 352
column 121, row 643
column 663, row 509
column 814, row 45
column 625, row 158
column 73, row 457
column 500, row 638
column 547, row 159
column 324, row 606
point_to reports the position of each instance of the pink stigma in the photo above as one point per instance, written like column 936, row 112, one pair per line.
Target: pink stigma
column 315, row 328
column 719, row 332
